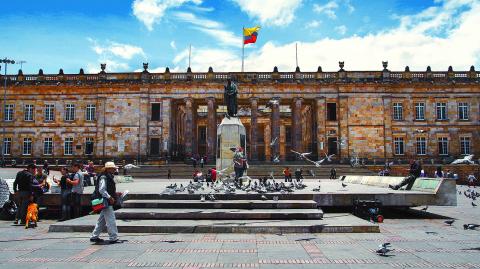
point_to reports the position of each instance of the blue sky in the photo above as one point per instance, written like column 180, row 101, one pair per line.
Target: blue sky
column 74, row 34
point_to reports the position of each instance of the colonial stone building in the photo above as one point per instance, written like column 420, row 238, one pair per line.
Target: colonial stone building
column 151, row 116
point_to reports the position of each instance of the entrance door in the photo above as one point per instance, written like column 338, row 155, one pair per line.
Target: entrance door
column 332, row 146
column 155, row 146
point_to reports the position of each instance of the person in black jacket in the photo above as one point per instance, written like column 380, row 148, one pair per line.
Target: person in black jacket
column 415, row 170
column 22, row 187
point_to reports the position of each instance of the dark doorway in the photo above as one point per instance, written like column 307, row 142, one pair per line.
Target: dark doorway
column 332, row 145
column 155, row 146
column 331, row 111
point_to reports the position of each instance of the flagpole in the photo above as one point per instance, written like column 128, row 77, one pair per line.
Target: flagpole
column 296, row 55
column 243, row 46
column 189, row 55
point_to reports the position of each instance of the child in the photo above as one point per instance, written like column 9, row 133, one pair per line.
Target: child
column 32, row 214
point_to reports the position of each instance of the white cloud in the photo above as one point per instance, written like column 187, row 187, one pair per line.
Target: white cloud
column 151, row 11
column 342, row 29
column 173, row 45
column 439, row 38
column 270, row 12
column 212, row 28
column 124, row 51
column 328, row 9
column 112, row 66
column 313, row 24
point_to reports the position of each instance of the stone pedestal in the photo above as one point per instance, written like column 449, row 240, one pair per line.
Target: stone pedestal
column 230, row 134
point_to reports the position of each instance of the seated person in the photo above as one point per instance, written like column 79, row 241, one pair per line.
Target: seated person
column 414, row 173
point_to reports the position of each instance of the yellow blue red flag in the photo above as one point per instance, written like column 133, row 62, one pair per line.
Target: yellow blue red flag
column 250, row 34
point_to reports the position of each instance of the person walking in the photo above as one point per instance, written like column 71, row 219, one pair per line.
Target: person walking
column 169, row 174
column 77, row 190
column 333, row 173
column 22, row 188
column 298, row 174
column 414, row 173
column 202, row 162
column 287, row 174
column 106, row 189
column 65, row 193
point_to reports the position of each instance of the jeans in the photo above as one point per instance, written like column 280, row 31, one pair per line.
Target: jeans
column 238, row 172
column 106, row 220
column 23, row 199
column 76, row 199
column 66, row 204
column 408, row 180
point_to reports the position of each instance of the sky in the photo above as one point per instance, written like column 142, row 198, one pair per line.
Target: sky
column 74, row 34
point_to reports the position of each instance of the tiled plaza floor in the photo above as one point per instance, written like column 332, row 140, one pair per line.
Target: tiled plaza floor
column 417, row 243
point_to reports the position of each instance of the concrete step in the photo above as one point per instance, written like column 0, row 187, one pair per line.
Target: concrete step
column 225, row 204
column 217, row 214
column 331, row 223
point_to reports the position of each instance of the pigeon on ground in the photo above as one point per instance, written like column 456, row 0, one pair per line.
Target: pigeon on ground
column 264, row 198
column 316, row 189
column 344, row 185
column 383, row 249
column 473, row 204
column 275, row 198
column 470, row 226
column 211, row 197
column 449, row 222
column 202, row 198
column 425, row 208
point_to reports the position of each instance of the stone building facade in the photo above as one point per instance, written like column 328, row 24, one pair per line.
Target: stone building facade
column 152, row 116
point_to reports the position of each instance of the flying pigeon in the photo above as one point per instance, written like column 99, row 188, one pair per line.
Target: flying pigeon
column 302, row 155
column 276, row 159
column 274, row 141
column 449, row 222
column 465, row 160
column 130, row 166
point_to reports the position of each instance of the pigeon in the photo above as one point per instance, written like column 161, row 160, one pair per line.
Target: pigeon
column 383, row 249
column 316, row 163
column 130, row 166
column 466, row 160
column 470, row 226
column 459, row 192
column 211, row 197
column 425, row 208
column 202, row 198
column 300, row 154
column 273, row 102
column 274, row 141
column 276, row 159
column 264, row 198
column 344, row 185
column 275, row 198
column 316, row 189
column 449, row 222
column 473, row 204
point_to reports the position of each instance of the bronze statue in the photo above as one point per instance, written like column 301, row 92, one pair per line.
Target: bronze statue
column 230, row 98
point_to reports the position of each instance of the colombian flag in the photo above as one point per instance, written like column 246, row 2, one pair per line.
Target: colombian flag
column 250, row 35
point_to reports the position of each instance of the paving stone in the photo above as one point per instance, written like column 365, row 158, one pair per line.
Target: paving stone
column 237, row 258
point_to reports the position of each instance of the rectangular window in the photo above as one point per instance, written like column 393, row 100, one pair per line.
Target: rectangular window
column 27, row 146
column 8, row 112
column 443, row 146
column 419, row 111
column 332, row 111
column 70, row 112
column 89, row 142
column 49, row 112
column 155, row 112
column 28, row 112
column 421, row 146
column 463, row 111
column 465, row 145
column 441, row 111
column 397, row 111
column 90, row 112
column 399, row 145
column 68, row 146
column 7, row 146
column 48, row 146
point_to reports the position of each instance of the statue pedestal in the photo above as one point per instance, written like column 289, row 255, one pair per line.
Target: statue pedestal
column 230, row 134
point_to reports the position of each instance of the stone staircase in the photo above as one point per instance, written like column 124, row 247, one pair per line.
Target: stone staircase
column 184, row 171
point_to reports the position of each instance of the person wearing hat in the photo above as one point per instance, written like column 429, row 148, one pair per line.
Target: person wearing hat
column 106, row 188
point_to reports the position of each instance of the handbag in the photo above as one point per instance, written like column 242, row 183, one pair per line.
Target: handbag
column 99, row 204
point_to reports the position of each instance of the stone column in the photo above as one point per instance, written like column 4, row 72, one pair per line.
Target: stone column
column 275, row 122
column 188, row 127
column 297, row 125
column 320, row 122
column 211, row 128
column 343, row 128
column 254, row 128
column 166, row 143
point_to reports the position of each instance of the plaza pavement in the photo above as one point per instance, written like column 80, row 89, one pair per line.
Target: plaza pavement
column 419, row 241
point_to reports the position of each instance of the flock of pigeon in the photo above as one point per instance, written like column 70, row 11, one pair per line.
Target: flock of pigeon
column 470, row 194
column 229, row 186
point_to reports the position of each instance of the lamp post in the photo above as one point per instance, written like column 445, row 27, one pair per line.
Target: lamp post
column 4, row 61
